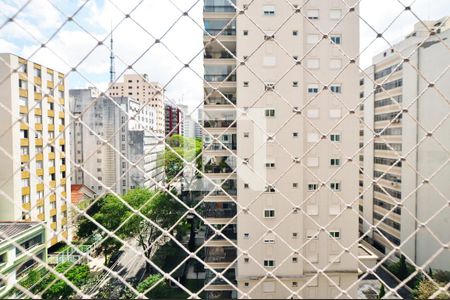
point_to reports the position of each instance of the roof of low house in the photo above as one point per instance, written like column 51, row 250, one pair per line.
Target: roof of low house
column 11, row 229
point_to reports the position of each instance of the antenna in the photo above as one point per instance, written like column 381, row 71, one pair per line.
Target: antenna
column 112, row 70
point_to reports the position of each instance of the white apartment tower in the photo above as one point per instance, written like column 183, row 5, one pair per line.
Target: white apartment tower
column 280, row 97
column 106, row 140
column 409, row 156
column 145, row 92
column 34, row 142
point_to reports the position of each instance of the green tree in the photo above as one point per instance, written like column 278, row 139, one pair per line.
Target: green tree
column 162, row 290
column 161, row 208
column 179, row 151
column 403, row 272
column 382, row 292
column 78, row 275
column 425, row 289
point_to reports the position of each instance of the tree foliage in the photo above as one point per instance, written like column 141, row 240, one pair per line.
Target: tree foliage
column 426, row 288
column 111, row 213
column 162, row 290
column 180, row 150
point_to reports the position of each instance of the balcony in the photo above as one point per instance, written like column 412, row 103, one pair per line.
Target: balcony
column 229, row 232
column 220, row 254
column 219, row 55
column 220, row 124
column 221, row 210
column 221, row 31
column 210, row 295
column 220, row 147
column 219, row 8
column 229, row 100
column 220, row 77
column 213, row 279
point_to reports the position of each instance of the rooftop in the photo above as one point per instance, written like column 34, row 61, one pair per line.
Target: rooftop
column 11, row 229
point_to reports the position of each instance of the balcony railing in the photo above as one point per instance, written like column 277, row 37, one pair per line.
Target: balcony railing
column 220, row 213
column 220, row 77
column 220, row 101
column 218, row 147
column 226, row 31
column 229, row 232
column 214, row 279
column 218, row 54
column 219, row 124
column 218, row 8
column 220, row 254
column 218, row 169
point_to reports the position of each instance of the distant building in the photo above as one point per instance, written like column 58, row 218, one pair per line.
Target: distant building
column 410, row 118
column 81, row 192
column 34, row 160
column 188, row 122
column 198, row 129
column 148, row 94
column 14, row 263
column 109, row 134
column 174, row 120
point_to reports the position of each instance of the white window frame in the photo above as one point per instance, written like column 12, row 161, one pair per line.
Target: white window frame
column 313, row 14
column 335, row 186
column 269, row 10
column 269, row 263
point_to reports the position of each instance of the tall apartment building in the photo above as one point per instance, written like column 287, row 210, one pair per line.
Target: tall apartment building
column 279, row 127
column 34, row 181
column 405, row 145
column 145, row 92
column 173, row 119
column 188, row 122
column 106, row 141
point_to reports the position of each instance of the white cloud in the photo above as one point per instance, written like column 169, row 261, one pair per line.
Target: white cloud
column 154, row 18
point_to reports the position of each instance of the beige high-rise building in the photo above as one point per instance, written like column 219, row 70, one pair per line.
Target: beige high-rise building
column 407, row 113
column 145, row 92
column 34, row 182
column 279, row 131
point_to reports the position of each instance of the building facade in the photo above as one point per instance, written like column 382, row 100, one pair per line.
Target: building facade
column 35, row 181
column 403, row 139
column 15, row 238
column 148, row 94
column 174, row 120
column 111, row 140
column 278, row 133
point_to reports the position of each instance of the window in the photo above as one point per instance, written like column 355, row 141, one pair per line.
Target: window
column 294, row 235
column 335, row 113
column 270, row 165
column 313, row 63
column 295, row 83
column 335, row 186
column 270, row 112
column 313, row 113
column 25, row 199
column 312, row 234
column 336, row 39
column 295, row 185
column 23, row 101
column 335, row 64
column 313, row 137
column 312, row 187
column 294, row 260
column 313, row 88
column 336, row 88
column 335, row 162
column 269, row 240
column 335, row 14
column 312, row 14
column 269, row 61
column 25, row 182
column 312, row 39
column 312, row 162
column 269, row 263
column 246, row 235
column 245, row 185
column 295, row 134
column 294, row 284
column 269, row 213
column 24, row 150
column 269, row 10
column 270, row 189
column 335, row 137
column 245, row 32
column 295, row 32
column 23, row 84
column 335, row 234
column 245, row 83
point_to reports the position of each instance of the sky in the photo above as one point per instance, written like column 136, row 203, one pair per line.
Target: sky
column 75, row 43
